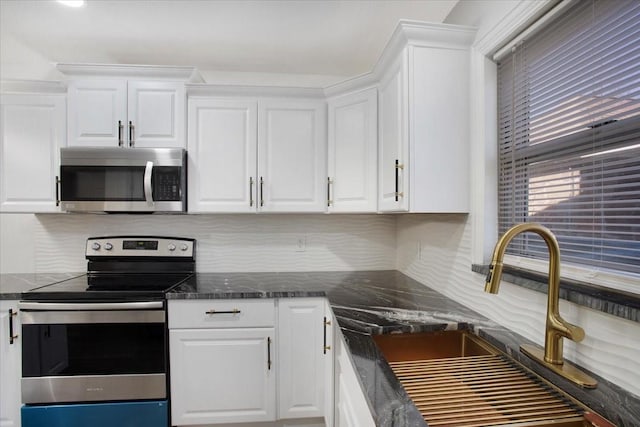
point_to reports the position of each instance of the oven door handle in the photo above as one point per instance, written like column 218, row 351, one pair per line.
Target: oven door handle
column 99, row 306
column 148, row 190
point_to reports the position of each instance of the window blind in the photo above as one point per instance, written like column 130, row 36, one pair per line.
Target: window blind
column 569, row 136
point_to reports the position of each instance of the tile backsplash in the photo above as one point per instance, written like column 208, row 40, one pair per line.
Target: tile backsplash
column 230, row 242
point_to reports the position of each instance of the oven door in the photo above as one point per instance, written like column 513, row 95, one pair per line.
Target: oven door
column 93, row 352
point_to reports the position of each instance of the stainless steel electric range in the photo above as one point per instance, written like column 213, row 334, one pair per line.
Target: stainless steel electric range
column 95, row 347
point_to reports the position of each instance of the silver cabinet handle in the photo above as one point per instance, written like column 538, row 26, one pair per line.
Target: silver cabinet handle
column 233, row 311
column 132, row 128
column 12, row 337
column 268, row 353
column 329, row 182
column 148, row 190
column 120, row 129
column 261, row 192
column 250, row 191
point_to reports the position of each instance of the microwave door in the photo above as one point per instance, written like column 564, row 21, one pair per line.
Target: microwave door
column 103, row 188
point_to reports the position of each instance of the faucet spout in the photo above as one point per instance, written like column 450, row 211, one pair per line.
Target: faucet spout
column 556, row 327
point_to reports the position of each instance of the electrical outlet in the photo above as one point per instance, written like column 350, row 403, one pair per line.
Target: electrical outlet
column 301, row 244
column 420, row 250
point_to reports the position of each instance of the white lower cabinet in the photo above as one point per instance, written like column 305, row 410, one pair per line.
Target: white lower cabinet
column 222, row 376
column 251, row 361
column 351, row 408
column 223, row 370
column 10, row 358
column 305, row 358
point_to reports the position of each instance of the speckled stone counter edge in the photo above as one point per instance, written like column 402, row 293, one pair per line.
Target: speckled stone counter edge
column 616, row 303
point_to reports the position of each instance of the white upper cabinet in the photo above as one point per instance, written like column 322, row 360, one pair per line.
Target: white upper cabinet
column 292, row 156
column 424, row 120
column 352, row 152
column 126, row 105
column 112, row 113
column 256, row 154
column 97, row 112
column 393, row 150
column 222, row 146
column 32, row 132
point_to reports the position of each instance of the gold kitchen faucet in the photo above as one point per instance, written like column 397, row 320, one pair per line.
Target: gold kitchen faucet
column 556, row 327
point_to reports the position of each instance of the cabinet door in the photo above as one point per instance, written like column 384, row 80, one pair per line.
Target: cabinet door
column 301, row 357
column 353, row 145
column 157, row 114
column 97, row 113
column 10, row 365
column 222, row 375
column 292, row 156
column 330, row 328
column 222, row 149
column 351, row 407
column 439, row 130
column 32, row 132
column 393, row 154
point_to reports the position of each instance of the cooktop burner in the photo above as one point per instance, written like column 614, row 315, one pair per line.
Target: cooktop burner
column 126, row 268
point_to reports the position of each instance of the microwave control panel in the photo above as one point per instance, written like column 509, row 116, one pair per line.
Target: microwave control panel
column 167, row 183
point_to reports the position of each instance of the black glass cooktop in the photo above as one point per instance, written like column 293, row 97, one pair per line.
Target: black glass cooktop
column 110, row 287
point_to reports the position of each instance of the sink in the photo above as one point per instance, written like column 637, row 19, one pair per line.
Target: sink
column 456, row 378
column 431, row 345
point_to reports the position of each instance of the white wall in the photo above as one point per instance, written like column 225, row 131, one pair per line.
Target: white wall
column 55, row 242
column 19, row 61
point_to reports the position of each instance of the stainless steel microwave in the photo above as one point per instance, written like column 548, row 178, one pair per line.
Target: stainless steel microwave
column 140, row 180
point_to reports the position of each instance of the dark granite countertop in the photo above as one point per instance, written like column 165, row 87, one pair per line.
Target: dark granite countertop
column 13, row 285
column 366, row 303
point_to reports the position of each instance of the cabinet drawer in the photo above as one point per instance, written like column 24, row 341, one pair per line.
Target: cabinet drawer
column 231, row 313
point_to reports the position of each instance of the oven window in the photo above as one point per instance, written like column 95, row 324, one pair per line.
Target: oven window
column 93, row 349
column 102, row 183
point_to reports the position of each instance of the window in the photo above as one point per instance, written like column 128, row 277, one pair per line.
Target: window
column 569, row 136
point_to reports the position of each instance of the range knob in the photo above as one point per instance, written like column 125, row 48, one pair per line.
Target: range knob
column 95, row 246
column 171, row 247
column 184, row 247
column 108, row 246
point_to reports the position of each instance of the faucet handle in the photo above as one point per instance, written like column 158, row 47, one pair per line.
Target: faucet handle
column 576, row 333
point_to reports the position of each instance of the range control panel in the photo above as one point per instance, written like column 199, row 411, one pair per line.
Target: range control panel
column 133, row 246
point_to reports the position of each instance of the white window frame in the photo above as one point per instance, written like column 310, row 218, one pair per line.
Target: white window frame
column 484, row 148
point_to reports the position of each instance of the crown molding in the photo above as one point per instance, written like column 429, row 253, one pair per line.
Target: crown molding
column 519, row 18
column 423, row 34
column 353, row 84
column 130, row 71
column 33, row 86
column 203, row 89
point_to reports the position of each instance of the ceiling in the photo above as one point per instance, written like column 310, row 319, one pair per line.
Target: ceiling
column 328, row 37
